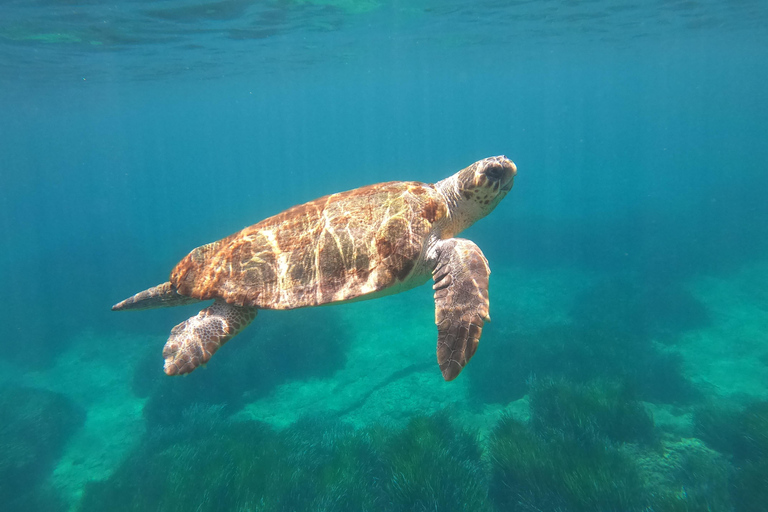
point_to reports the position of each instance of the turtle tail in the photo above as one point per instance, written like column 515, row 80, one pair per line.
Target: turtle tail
column 160, row 296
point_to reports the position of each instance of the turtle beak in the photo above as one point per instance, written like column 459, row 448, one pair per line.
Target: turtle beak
column 509, row 175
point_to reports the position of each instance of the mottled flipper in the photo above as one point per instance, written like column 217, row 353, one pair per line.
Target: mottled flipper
column 195, row 340
column 461, row 302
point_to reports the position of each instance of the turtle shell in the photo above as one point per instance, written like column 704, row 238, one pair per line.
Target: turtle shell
column 336, row 248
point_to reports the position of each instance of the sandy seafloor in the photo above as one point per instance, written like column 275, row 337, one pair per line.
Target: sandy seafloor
column 726, row 359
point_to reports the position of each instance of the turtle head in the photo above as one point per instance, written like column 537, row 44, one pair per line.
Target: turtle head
column 475, row 191
column 486, row 182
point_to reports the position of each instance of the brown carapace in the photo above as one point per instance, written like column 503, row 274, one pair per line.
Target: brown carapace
column 360, row 244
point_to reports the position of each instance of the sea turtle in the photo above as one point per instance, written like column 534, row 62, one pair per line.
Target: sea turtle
column 361, row 244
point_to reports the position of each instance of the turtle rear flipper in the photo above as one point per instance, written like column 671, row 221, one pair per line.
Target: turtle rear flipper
column 461, row 303
column 196, row 339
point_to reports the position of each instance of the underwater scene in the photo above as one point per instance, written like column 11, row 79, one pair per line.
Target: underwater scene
column 626, row 364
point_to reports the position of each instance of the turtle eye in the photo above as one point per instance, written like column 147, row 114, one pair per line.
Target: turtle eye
column 494, row 173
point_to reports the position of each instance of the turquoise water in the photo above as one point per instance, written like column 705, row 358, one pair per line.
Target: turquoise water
column 626, row 367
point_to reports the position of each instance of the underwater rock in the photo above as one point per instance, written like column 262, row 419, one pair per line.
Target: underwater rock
column 685, row 475
column 534, row 472
column 580, row 355
column 741, row 433
column 553, row 471
column 35, row 425
column 750, row 487
column 752, row 442
column 611, row 335
column 595, row 412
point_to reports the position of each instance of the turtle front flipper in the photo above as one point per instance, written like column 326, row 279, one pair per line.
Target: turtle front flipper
column 195, row 340
column 461, row 302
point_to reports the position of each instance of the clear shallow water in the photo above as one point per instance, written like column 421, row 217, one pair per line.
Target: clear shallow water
column 631, row 249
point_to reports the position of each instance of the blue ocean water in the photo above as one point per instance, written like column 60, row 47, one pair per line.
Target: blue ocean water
column 630, row 260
